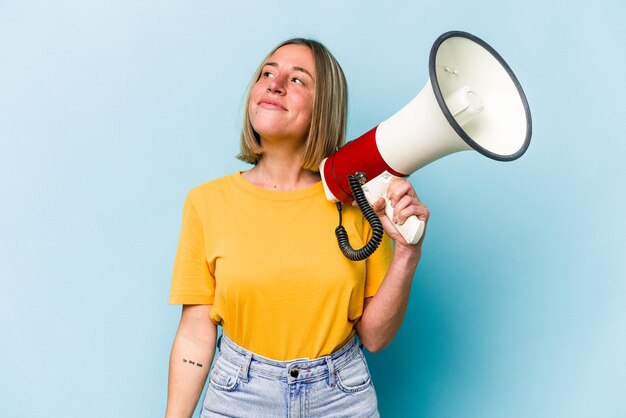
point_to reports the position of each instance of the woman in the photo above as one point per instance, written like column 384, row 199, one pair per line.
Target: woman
column 257, row 255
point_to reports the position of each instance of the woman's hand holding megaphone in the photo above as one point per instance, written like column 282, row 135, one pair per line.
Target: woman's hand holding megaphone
column 400, row 206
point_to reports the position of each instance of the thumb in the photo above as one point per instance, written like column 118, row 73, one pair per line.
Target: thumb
column 379, row 206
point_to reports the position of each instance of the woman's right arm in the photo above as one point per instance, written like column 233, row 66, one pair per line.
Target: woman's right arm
column 190, row 360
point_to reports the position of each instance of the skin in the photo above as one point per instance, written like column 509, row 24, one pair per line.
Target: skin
column 280, row 108
column 281, row 101
column 383, row 313
column 195, row 340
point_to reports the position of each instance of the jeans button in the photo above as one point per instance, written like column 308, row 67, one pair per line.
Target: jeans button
column 294, row 373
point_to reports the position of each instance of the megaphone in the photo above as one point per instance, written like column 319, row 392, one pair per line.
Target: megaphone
column 471, row 101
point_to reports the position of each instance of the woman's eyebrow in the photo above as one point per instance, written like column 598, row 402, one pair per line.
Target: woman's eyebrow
column 304, row 71
column 295, row 68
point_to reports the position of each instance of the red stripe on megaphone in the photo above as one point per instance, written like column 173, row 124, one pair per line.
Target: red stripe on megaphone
column 359, row 155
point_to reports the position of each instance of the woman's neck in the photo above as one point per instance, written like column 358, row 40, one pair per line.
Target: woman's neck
column 281, row 174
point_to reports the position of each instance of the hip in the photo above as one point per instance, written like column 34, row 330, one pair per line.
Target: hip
column 244, row 384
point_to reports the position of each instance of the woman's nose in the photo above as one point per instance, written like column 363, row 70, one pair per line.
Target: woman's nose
column 276, row 85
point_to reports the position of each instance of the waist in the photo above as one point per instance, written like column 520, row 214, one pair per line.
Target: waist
column 291, row 371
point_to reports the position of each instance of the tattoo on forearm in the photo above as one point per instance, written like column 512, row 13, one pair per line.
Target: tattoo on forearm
column 192, row 362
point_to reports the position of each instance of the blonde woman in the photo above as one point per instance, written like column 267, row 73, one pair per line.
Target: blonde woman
column 258, row 257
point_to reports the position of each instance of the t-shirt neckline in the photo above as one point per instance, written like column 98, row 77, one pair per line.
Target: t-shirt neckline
column 278, row 195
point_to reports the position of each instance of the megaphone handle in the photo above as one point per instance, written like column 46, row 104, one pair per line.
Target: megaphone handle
column 412, row 229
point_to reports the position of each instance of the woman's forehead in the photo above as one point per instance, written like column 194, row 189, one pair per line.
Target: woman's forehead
column 298, row 57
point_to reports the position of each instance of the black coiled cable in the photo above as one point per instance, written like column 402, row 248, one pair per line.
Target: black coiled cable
column 371, row 217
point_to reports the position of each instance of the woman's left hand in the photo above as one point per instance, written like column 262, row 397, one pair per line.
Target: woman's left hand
column 405, row 203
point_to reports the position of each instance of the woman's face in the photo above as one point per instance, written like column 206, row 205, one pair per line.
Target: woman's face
column 281, row 101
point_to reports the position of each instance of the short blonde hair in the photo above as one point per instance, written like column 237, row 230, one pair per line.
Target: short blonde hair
column 327, row 131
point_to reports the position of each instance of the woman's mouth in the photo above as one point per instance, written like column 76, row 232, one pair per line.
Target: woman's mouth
column 271, row 104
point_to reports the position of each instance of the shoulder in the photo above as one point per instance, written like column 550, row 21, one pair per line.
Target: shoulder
column 212, row 188
column 211, row 193
column 213, row 185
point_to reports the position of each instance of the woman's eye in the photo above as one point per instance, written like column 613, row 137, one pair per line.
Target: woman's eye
column 268, row 74
column 297, row 80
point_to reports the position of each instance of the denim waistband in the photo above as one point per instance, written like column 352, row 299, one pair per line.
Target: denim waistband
column 290, row 371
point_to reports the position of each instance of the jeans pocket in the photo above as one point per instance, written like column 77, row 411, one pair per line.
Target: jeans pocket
column 354, row 376
column 225, row 375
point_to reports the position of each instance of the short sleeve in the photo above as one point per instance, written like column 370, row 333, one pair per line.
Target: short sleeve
column 192, row 281
column 377, row 265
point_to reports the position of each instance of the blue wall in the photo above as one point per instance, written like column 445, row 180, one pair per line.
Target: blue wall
column 111, row 110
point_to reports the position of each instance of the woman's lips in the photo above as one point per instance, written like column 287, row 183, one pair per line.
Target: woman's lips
column 271, row 104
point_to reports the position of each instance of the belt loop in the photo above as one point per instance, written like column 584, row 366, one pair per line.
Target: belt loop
column 245, row 368
column 219, row 343
column 331, row 371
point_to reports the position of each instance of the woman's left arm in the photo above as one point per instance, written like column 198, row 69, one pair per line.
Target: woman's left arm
column 383, row 313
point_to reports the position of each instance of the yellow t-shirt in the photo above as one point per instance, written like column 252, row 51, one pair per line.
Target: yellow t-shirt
column 269, row 263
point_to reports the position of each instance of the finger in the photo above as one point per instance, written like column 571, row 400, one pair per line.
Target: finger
column 421, row 211
column 379, row 206
column 404, row 202
column 398, row 189
column 404, row 206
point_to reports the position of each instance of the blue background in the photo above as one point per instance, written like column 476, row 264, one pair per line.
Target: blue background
column 111, row 110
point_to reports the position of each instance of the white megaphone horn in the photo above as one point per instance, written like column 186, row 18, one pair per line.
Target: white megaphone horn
column 472, row 101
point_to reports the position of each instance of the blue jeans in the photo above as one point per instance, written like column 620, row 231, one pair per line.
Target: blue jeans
column 244, row 384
